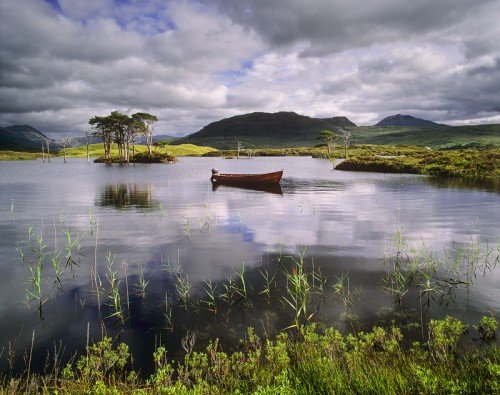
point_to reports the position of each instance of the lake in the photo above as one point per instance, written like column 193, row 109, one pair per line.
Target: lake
column 148, row 253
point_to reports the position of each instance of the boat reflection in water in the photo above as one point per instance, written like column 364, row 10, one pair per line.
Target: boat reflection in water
column 270, row 188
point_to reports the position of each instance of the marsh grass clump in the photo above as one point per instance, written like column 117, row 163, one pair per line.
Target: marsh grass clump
column 114, row 296
column 487, row 328
column 418, row 160
column 436, row 277
column 154, row 157
column 143, row 281
column 444, row 336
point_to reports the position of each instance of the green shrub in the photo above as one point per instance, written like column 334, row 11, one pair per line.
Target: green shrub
column 444, row 336
column 487, row 328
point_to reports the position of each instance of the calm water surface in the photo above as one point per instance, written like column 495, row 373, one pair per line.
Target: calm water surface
column 168, row 225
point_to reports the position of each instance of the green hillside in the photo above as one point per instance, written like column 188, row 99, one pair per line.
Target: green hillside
column 288, row 129
column 259, row 129
column 406, row 120
column 442, row 137
column 24, row 138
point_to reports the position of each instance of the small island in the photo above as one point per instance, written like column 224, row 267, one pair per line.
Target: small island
column 124, row 131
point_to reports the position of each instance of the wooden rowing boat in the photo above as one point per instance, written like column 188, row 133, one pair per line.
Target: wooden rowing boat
column 247, row 179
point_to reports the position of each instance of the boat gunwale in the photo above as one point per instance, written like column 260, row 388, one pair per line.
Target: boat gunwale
column 273, row 177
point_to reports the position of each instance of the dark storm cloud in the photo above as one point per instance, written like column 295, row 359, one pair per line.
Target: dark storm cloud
column 193, row 62
column 335, row 25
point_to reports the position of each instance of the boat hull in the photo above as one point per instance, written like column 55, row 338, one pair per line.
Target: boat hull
column 248, row 179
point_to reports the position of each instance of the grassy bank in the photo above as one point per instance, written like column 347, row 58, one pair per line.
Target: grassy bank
column 97, row 150
column 15, row 155
column 455, row 163
column 309, row 361
column 466, row 163
column 469, row 163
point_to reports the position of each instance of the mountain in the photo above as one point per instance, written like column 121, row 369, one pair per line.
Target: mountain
column 24, row 138
column 406, row 120
column 260, row 129
column 342, row 122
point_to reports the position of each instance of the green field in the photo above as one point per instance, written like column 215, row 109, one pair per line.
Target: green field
column 443, row 137
column 17, row 155
column 97, row 150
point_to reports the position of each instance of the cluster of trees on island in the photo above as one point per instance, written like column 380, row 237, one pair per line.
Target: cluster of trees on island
column 124, row 130
column 330, row 138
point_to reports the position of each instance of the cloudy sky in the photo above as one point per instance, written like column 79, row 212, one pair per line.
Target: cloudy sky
column 192, row 62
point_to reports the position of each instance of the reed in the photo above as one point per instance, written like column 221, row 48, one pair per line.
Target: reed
column 127, row 294
column 114, row 291
column 36, row 268
column 211, row 293
column 55, row 261
column 72, row 248
column 91, row 220
column 228, row 290
column 183, row 288
column 35, row 294
column 298, row 290
column 242, row 289
column 268, row 283
column 143, row 282
column 11, row 212
column 342, row 287
column 168, row 314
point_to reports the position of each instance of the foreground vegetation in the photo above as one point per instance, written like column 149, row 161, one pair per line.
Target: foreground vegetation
column 312, row 361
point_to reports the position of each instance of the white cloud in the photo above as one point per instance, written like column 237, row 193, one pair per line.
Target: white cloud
column 193, row 63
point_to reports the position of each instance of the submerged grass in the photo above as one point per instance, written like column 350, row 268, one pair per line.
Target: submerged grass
column 311, row 360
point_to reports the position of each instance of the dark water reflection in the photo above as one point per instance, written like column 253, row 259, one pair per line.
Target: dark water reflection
column 461, row 183
column 184, row 233
column 269, row 188
column 127, row 195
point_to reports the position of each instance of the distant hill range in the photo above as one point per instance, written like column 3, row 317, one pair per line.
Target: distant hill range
column 289, row 129
column 260, row 129
column 407, row 120
column 24, row 138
